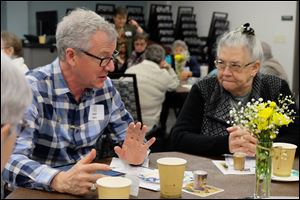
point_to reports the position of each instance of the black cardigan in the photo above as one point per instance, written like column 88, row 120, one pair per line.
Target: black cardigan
column 200, row 128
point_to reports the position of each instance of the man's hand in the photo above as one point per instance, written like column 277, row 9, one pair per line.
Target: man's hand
column 80, row 178
column 240, row 140
column 134, row 150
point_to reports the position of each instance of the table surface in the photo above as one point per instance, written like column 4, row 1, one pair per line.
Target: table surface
column 235, row 186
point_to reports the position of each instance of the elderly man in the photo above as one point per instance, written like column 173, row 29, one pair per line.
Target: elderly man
column 73, row 103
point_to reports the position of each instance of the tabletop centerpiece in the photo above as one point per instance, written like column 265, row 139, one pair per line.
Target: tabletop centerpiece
column 263, row 120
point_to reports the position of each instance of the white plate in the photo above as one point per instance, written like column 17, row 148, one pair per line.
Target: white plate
column 293, row 177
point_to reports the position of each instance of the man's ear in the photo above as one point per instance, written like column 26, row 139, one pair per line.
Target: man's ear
column 70, row 56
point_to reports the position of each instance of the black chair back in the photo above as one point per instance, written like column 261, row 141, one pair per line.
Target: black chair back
column 126, row 85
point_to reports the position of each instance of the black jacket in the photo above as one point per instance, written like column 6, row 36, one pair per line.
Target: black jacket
column 201, row 125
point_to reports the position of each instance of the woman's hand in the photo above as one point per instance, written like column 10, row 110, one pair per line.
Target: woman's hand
column 240, row 140
column 80, row 178
column 134, row 149
column 185, row 75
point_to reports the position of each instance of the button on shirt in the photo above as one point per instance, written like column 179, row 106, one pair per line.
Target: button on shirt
column 59, row 130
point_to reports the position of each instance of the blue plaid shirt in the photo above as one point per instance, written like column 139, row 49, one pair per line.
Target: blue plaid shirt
column 59, row 131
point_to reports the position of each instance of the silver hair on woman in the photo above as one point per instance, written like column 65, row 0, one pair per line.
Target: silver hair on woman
column 76, row 29
column 16, row 94
column 242, row 37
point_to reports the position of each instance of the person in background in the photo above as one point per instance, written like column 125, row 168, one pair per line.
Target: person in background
column 201, row 127
column 184, row 64
column 126, row 33
column 73, row 103
column 138, row 55
column 154, row 77
column 11, row 45
column 16, row 96
column 270, row 65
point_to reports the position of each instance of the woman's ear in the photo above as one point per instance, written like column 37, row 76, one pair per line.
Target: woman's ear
column 255, row 68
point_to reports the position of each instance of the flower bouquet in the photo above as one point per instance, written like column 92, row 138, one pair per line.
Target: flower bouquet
column 263, row 120
column 180, row 60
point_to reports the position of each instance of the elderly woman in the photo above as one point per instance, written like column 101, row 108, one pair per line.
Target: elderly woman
column 189, row 65
column 201, row 127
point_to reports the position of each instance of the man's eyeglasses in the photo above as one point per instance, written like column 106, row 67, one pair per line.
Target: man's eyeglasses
column 221, row 65
column 103, row 61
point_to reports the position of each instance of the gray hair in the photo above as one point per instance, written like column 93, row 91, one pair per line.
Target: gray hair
column 16, row 94
column 266, row 50
column 155, row 53
column 76, row 29
column 237, row 38
column 179, row 43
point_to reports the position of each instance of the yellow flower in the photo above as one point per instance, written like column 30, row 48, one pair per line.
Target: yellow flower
column 179, row 58
column 280, row 119
column 263, row 118
column 265, row 113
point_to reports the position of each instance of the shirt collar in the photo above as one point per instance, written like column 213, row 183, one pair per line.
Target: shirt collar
column 60, row 85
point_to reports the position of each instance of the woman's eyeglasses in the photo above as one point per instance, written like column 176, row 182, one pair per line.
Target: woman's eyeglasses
column 236, row 67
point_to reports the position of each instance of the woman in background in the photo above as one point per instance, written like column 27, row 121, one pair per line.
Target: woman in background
column 11, row 45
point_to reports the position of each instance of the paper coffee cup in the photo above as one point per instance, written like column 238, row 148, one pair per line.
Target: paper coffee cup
column 113, row 187
column 283, row 155
column 171, row 173
column 42, row 39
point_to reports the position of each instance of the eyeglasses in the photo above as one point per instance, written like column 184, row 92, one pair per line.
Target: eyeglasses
column 236, row 67
column 103, row 61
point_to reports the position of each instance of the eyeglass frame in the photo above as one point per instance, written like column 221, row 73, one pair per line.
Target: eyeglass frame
column 113, row 57
column 231, row 68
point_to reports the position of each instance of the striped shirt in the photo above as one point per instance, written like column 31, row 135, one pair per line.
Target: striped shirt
column 60, row 130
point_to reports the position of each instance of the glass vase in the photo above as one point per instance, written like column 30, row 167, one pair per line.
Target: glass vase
column 263, row 170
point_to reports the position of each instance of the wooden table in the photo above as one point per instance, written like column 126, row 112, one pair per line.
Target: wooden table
column 235, row 186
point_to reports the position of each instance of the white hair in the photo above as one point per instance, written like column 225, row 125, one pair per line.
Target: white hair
column 76, row 29
column 16, row 94
column 236, row 38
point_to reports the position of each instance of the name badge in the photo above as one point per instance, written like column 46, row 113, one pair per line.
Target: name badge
column 96, row 112
column 128, row 34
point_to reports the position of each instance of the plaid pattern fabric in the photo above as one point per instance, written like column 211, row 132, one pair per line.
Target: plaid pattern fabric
column 60, row 131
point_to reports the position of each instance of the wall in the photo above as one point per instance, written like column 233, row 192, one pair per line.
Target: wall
column 17, row 13
column 61, row 7
column 3, row 15
column 264, row 17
